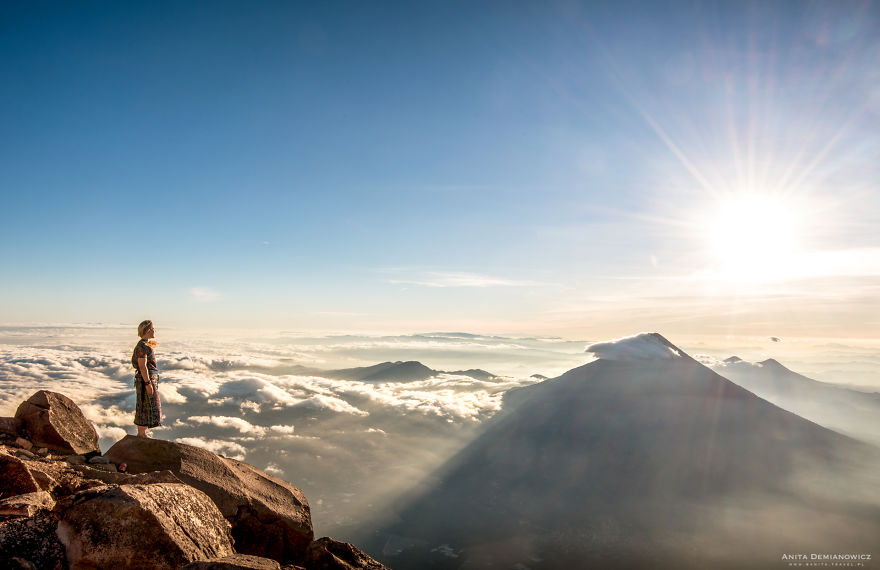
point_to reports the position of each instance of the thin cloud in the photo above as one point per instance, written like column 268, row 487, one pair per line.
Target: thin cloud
column 226, row 448
column 171, row 395
column 341, row 314
column 259, row 389
column 110, row 433
column 179, row 361
column 273, row 469
column 460, row 279
column 235, row 424
column 332, row 403
column 205, row 294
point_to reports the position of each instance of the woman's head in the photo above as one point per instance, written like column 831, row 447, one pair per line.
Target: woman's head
column 145, row 329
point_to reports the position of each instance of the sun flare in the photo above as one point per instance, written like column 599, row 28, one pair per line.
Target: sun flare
column 753, row 237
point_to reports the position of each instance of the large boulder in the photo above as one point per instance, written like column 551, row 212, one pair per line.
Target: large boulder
column 54, row 421
column 164, row 525
column 269, row 516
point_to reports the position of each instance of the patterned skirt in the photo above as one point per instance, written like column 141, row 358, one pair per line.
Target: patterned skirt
column 148, row 410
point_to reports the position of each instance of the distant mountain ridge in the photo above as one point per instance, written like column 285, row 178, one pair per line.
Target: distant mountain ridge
column 400, row 371
column 840, row 408
column 385, row 372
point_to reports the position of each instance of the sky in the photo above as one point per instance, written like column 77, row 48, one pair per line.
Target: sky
column 575, row 169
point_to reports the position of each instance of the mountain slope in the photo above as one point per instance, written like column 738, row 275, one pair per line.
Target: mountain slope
column 644, row 458
column 844, row 410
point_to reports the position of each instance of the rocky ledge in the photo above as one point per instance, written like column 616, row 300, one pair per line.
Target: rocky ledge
column 145, row 503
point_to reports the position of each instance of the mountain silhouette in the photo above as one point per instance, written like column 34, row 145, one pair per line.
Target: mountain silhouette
column 842, row 409
column 641, row 459
column 475, row 373
column 385, row 372
column 401, row 372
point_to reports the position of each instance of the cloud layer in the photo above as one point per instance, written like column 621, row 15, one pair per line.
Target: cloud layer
column 262, row 399
column 343, row 441
column 638, row 347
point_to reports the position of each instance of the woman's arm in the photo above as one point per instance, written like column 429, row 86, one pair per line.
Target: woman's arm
column 145, row 374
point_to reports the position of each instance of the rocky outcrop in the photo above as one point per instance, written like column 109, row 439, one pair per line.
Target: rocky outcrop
column 108, row 527
column 329, row 554
column 269, row 516
column 235, row 562
column 54, row 421
column 61, row 510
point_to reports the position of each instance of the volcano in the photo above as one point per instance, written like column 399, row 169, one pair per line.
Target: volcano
column 643, row 458
column 846, row 411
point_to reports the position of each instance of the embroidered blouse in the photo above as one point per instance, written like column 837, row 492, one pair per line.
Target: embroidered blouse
column 144, row 350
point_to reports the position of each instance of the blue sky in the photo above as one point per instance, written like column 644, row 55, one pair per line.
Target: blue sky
column 484, row 166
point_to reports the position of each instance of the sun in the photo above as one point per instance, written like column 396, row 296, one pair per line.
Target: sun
column 753, row 238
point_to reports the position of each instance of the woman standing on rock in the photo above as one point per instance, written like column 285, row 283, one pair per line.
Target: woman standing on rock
column 148, row 410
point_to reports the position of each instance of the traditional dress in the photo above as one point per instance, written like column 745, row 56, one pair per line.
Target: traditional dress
column 148, row 410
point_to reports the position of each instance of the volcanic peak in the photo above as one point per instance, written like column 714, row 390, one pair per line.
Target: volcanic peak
column 643, row 346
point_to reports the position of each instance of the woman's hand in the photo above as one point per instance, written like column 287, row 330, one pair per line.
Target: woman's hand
column 145, row 374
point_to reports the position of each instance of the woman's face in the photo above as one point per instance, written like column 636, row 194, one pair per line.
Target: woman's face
column 150, row 331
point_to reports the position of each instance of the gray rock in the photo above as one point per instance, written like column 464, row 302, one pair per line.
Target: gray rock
column 99, row 459
column 54, row 421
column 108, row 527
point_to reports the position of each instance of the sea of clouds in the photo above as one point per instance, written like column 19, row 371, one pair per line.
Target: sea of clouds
column 352, row 446
column 349, row 444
